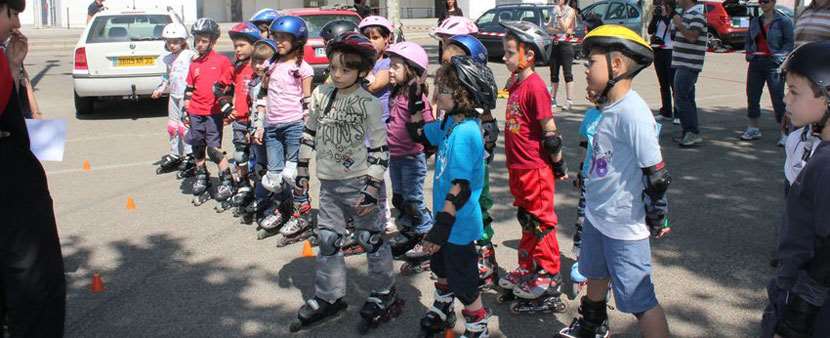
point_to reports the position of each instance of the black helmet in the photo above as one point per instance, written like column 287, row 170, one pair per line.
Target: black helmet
column 477, row 79
column 205, row 26
column 352, row 42
column 337, row 27
column 810, row 61
column 531, row 35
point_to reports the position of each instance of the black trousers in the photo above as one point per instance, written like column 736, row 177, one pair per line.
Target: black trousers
column 665, row 75
column 561, row 55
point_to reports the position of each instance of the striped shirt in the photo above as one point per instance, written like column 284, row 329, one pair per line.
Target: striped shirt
column 812, row 25
column 690, row 54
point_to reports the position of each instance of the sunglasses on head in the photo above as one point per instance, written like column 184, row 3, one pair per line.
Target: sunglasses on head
column 764, row 2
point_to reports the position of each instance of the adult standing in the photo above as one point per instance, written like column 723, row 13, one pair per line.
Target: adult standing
column 95, row 7
column 768, row 42
column 662, row 40
column 32, row 284
column 688, row 54
column 813, row 23
column 447, row 9
column 561, row 28
column 362, row 9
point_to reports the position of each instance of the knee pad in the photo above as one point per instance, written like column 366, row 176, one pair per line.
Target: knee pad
column 182, row 129
column 272, row 182
column 468, row 296
column 371, row 241
column 527, row 220
column 330, row 242
column 240, row 155
column 199, row 151
column 172, row 128
column 216, row 155
column 412, row 210
column 289, row 173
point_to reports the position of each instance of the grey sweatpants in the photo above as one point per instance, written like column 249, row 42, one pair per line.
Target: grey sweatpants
column 337, row 201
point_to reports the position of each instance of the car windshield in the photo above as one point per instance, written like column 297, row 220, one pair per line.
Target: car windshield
column 122, row 28
column 737, row 8
column 316, row 22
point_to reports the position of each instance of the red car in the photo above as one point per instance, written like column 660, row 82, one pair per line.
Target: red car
column 315, row 18
column 727, row 22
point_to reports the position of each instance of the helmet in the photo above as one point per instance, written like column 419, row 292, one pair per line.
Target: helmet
column 532, row 36
column 337, row 27
column 352, row 42
column 270, row 43
column 810, row 61
column 477, row 79
column 375, row 20
column 455, row 25
column 413, row 53
column 245, row 30
column 620, row 39
column 205, row 26
column 174, row 31
column 472, row 46
column 265, row 15
column 293, row 25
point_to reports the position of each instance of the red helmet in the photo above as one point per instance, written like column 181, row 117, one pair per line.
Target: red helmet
column 352, row 42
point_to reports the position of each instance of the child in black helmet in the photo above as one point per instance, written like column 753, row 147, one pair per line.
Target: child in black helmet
column 625, row 189
column 798, row 293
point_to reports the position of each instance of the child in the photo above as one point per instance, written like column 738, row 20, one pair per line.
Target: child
column 465, row 87
column 407, row 165
column 244, row 36
column 289, row 88
column 343, row 117
column 174, row 82
column 472, row 47
column 797, row 294
column 625, row 163
column 449, row 26
column 208, row 72
column 265, row 53
column 533, row 147
column 262, row 19
column 587, row 129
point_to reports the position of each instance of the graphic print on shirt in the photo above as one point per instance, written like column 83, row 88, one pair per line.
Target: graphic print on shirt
column 342, row 127
column 441, row 158
column 514, row 113
column 599, row 159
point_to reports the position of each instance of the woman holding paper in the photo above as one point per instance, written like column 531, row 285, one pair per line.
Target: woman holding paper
column 32, row 284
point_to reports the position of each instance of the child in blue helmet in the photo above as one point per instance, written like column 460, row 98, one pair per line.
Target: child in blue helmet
column 263, row 18
column 265, row 52
column 289, row 91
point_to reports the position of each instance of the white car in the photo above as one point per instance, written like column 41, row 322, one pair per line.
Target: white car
column 119, row 56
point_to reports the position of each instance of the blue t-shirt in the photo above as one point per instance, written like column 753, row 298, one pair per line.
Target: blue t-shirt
column 625, row 142
column 383, row 95
column 460, row 157
column 587, row 130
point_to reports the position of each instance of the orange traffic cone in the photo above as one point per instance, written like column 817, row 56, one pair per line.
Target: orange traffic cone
column 307, row 251
column 97, row 283
column 130, row 203
column 87, row 167
column 449, row 333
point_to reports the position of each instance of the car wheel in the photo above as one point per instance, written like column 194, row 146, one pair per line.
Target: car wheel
column 83, row 105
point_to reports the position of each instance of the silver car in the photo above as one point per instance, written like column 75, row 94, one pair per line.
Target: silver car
column 621, row 12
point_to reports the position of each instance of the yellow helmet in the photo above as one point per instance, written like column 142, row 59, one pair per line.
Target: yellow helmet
column 621, row 39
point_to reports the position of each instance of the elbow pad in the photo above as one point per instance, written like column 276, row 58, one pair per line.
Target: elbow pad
column 225, row 105
column 463, row 196
column 416, row 102
column 378, row 157
column 306, row 103
column 657, row 181
column 552, row 142
column 222, row 90
column 188, row 92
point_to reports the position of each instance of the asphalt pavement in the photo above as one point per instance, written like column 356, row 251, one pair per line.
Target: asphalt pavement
column 172, row 269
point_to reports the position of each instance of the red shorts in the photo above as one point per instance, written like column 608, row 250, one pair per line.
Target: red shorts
column 533, row 191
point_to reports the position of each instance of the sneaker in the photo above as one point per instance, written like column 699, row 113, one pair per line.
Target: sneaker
column 514, row 278
column 554, row 104
column 416, row 252
column 676, row 122
column 690, row 140
column 569, row 104
column 536, row 287
column 751, row 134
column 783, row 140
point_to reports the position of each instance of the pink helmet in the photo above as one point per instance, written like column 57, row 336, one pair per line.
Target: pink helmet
column 456, row 25
column 375, row 20
column 412, row 52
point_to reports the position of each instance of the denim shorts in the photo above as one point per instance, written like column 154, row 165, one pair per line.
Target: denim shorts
column 626, row 263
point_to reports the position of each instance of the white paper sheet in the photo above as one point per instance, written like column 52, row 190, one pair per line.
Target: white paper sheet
column 47, row 138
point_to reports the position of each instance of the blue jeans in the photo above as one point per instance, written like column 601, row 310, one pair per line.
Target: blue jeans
column 281, row 145
column 764, row 70
column 684, row 98
column 408, row 173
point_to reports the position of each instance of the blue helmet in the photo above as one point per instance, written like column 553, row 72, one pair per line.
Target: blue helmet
column 265, row 15
column 474, row 48
column 271, row 44
column 293, row 25
column 245, row 30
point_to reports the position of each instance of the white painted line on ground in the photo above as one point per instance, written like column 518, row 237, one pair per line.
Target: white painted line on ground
column 98, row 168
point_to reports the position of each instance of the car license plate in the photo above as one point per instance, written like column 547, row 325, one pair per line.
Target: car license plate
column 320, row 52
column 740, row 22
column 135, row 61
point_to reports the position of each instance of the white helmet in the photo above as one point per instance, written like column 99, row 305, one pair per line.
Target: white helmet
column 174, row 31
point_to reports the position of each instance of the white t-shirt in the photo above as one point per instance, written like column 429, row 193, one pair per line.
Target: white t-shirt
column 664, row 31
column 625, row 142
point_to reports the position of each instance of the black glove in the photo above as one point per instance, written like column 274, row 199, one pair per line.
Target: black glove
column 798, row 318
column 225, row 105
column 560, row 169
column 440, row 232
column 491, row 136
column 656, row 214
column 370, row 193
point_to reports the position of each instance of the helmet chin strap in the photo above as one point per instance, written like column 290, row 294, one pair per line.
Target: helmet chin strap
column 817, row 128
column 603, row 97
